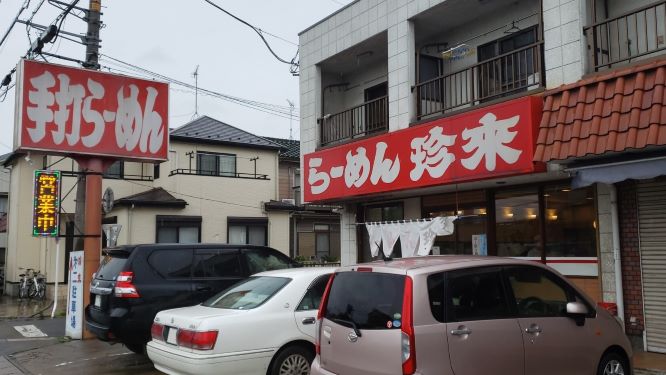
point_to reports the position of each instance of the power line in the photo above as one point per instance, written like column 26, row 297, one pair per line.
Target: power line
column 273, row 109
column 293, row 63
column 25, row 6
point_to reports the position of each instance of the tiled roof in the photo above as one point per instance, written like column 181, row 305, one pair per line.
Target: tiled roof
column 612, row 112
column 209, row 130
column 291, row 149
column 153, row 197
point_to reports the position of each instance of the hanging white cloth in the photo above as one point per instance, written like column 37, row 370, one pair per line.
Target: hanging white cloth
column 438, row 226
column 409, row 238
column 375, row 237
column 390, row 235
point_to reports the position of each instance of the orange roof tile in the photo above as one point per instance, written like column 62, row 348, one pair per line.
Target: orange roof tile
column 611, row 112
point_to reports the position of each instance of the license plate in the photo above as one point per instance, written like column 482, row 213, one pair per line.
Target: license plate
column 171, row 335
column 98, row 301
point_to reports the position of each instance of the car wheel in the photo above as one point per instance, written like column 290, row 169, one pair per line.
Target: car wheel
column 138, row 348
column 293, row 360
column 613, row 364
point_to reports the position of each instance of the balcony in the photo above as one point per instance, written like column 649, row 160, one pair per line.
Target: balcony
column 471, row 52
column 517, row 71
column 200, row 172
column 365, row 119
column 626, row 37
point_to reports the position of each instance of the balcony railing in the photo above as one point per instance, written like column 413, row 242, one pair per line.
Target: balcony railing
column 632, row 35
column 504, row 75
column 367, row 118
column 197, row 172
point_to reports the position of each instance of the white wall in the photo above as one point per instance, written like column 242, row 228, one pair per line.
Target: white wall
column 565, row 48
column 340, row 98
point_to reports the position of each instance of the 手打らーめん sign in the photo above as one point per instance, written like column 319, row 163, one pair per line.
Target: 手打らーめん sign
column 64, row 110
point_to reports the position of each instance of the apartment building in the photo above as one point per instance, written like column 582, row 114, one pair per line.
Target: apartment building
column 533, row 122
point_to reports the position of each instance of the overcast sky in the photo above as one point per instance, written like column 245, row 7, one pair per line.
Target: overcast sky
column 172, row 37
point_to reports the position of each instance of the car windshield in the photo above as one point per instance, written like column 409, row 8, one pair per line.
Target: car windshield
column 248, row 294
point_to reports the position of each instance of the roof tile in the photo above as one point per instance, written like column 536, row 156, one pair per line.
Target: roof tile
column 614, row 111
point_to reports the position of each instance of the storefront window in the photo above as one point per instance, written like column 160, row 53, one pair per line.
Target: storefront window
column 570, row 222
column 469, row 236
column 517, row 223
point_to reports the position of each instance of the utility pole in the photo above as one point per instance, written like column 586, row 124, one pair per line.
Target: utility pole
column 89, row 188
column 91, row 62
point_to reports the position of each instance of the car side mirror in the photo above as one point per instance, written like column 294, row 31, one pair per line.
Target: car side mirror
column 577, row 311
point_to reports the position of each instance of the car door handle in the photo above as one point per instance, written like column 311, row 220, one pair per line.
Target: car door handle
column 309, row 320
column 461, row 331
column 204, row 289
column 533, row 329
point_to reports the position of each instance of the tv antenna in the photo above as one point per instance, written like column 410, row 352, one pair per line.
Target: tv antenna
column 195, row 74
column 291, row 114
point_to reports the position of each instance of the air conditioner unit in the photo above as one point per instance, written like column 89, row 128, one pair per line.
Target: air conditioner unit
column 289, row 201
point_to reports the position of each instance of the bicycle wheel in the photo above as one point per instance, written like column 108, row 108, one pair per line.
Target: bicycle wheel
column 32, row 290
column 23, row 290
column 41, row 292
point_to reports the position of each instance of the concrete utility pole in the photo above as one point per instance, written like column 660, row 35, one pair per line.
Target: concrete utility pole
column 90, row 186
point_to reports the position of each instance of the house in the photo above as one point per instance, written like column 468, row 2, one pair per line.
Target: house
column 536, row 124
column 4, row 196
column 212, row 189
column 314, row 229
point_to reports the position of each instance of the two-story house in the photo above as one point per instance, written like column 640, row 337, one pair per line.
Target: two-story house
column 314, row 229
column 212, row 189
column 502, row 114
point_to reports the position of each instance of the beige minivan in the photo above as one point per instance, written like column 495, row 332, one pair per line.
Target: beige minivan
column 463, row 315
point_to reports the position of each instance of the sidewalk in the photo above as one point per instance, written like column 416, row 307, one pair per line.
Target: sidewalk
column 12, row 308
column 649, row 363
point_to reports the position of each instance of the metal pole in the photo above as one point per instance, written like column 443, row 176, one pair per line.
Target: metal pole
column 57, row 264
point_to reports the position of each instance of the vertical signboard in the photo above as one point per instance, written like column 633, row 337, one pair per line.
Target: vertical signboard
column 46, row 204
column 74, row 319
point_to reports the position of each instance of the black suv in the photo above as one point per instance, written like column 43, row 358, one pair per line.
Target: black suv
column 134, row 282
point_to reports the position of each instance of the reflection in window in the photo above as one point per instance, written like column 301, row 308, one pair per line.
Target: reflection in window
column 570, row 222
column 517, row 223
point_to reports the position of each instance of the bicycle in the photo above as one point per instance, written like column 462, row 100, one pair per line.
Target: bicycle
column 25, row 282
column 38, row 286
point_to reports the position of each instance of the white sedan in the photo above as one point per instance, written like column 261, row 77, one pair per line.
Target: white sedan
column 263, row 325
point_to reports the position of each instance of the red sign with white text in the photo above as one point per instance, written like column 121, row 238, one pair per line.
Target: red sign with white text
column 64, row 110
column 494, row 141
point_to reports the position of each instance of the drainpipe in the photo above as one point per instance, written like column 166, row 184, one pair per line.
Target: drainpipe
column 129, row 225
column 619, row 295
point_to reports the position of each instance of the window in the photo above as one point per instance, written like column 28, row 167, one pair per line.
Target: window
column 386, row 212
column 537, row 293
column 216, row 164
column 368, row 299
column 252, row 231
column 156, row 171
column 3, row 204
column 172, row 263
column 312, row 297
column 116, row 170
column 436, row 295
column 518, row 233
column 259, row 260
column 216, row 263
column 476, row 294
column 570, row 219
column 178, row 229
column 248, row 294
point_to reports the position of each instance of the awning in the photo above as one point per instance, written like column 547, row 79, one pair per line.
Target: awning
column 616, row 172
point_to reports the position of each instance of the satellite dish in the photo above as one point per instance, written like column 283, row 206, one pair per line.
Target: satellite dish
column 107, row 200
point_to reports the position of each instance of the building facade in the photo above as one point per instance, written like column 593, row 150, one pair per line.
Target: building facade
column 4, row 200
column 212, row 189
column 423, row 83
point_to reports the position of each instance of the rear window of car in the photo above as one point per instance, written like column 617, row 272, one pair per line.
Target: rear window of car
column 369, row 300
column 248, row 294
column 111, row 266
